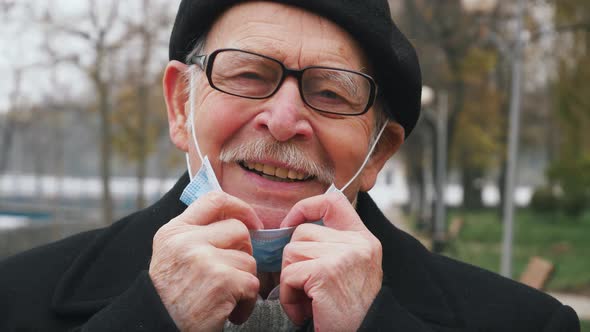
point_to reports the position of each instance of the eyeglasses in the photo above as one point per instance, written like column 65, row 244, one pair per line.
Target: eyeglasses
column 255, row 76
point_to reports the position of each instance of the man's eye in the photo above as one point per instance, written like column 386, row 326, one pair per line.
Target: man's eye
column 329, row 94
column 250, row 76
column 328, row 97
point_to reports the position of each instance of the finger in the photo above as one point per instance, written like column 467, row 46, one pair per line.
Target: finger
column 236, row 259
column 246, row 296
column 224, row 234
column 296, row 252
column 299, row 309
column 242, row 311
column 215, row 206
column 293, row 297
column 333, row 209
column 316, row 233
column 229, row 234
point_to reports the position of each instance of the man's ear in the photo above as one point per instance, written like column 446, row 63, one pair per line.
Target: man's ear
column 390, row 142
column 175, row 87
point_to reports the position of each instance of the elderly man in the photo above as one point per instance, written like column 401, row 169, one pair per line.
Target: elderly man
column 287, row 111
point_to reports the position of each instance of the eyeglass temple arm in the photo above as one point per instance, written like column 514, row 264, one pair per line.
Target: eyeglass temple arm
column 199, row 60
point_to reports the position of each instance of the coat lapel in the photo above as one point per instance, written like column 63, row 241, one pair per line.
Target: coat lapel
column 110, row 264
column 408, row 271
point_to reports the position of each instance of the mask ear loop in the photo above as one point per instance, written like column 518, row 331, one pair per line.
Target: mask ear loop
column 191, row 100
column 367, row 157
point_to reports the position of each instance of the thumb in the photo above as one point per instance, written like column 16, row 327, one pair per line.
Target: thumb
column 216, row 206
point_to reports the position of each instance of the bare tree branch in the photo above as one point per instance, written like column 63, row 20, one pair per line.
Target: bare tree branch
column 6, row 6
column 92, row 14
column 113, row 14
column 72, row 31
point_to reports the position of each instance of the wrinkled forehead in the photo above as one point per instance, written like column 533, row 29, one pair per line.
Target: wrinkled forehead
column 298, row 37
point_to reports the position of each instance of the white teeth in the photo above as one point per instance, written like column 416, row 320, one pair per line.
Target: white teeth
column 279, row 172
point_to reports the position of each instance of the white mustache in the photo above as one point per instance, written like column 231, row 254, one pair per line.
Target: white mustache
column 287, row 153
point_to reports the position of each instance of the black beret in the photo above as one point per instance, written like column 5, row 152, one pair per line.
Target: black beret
column 396, row 67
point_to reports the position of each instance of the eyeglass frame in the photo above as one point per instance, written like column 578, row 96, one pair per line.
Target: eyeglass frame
column 205, row 62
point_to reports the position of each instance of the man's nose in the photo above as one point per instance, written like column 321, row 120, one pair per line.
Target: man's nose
column 285, row 114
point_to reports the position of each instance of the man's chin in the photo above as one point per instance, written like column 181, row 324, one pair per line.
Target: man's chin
column 271, row 217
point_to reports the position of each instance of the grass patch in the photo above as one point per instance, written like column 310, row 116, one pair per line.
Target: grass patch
column 585, row 326
column 562, row 241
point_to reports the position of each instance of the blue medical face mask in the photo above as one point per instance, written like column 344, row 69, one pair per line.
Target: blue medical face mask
column 267, row 244
column 202, row 182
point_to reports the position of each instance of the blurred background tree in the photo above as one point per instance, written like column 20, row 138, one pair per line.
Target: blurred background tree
column 568, row 187
column 457, row 59
column 467, row 54
column 139, row 115
column 105, row 59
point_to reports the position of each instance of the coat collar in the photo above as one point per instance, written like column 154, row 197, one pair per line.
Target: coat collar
column 409, row 272
column 110, row 264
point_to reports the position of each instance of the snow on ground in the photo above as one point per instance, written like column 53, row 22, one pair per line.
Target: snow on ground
column 385, row 193
column 12, row 222
column 27, row 185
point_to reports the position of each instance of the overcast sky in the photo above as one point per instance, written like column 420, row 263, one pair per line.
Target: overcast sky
column 21, row 40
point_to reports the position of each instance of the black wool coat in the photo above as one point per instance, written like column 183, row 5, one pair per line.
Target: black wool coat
column 98, row 281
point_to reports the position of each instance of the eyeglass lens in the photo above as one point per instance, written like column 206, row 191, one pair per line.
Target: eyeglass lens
column 255, row 76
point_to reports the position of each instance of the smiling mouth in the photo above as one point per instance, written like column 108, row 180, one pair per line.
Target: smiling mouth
column 273, row 173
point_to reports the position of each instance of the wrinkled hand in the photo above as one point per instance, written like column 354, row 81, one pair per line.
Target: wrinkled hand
column 330, row 273
column 202, row 265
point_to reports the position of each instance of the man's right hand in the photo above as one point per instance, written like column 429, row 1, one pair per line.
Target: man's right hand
column 202, row 264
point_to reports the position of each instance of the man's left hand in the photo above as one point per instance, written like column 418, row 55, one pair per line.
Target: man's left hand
column 330, row 273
